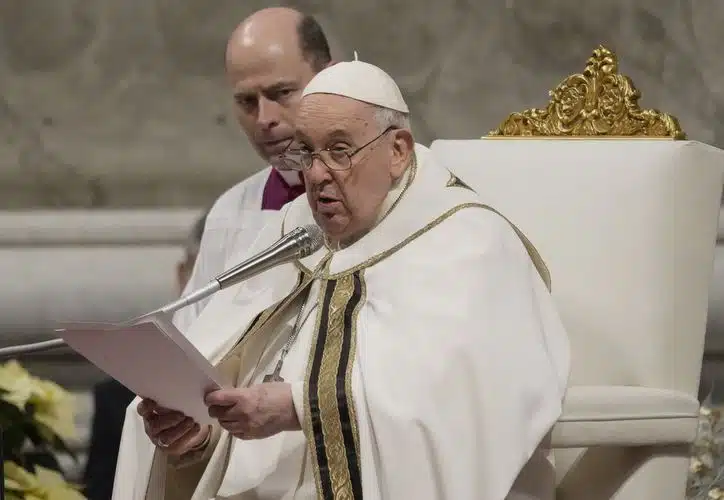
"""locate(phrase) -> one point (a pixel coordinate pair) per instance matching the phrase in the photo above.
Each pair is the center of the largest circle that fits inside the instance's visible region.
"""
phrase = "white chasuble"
(431, 363)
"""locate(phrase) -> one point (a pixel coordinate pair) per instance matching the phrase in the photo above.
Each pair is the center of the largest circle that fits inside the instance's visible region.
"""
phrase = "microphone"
(297, 244)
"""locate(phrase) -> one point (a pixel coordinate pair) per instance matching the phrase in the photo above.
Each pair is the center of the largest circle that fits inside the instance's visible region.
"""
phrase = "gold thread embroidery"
(408, 183)
(307, 423)
(334, 342)
(350, 364)
(328, 408)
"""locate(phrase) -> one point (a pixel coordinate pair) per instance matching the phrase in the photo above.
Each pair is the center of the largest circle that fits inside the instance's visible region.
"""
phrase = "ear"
(403, 147)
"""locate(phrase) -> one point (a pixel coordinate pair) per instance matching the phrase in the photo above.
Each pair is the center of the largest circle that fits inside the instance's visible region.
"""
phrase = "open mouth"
(326, 200)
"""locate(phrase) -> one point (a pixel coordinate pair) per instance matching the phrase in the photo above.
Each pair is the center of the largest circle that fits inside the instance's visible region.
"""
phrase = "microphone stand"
(296, 244)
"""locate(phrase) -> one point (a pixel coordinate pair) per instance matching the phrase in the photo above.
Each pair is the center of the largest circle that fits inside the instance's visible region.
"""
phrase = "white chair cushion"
(625, 416)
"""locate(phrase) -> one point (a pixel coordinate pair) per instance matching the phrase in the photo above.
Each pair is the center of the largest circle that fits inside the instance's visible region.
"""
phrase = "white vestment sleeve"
(464, 365)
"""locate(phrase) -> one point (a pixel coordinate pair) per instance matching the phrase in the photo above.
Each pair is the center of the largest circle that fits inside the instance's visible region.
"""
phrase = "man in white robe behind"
(270, 58)
(417, 355)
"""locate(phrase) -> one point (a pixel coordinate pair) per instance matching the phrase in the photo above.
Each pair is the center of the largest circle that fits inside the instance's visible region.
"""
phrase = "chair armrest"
(625, 416)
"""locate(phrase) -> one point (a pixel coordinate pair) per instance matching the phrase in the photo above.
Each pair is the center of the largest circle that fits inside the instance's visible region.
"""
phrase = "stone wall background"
(122, 103)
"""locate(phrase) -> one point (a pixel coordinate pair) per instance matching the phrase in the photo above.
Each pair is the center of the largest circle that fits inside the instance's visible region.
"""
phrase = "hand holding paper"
(254, 412)
(172, 431)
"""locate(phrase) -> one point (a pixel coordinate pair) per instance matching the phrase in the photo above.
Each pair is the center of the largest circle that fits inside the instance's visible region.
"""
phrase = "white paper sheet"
(151, 358)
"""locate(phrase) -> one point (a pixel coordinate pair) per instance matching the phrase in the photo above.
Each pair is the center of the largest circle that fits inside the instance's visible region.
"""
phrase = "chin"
(331, 227)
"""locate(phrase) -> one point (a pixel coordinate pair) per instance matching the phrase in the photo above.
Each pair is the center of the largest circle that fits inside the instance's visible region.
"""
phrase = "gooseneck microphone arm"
(46, 345)
(297, 244)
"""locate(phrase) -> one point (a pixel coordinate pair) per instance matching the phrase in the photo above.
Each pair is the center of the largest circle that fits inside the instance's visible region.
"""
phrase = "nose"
(317, 173)
(268, 115)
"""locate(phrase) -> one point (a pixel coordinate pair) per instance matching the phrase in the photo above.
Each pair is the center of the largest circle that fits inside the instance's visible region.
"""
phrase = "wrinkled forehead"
(323, 115)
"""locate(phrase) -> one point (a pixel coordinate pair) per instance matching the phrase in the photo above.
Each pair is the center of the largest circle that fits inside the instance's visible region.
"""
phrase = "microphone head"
(312, 239)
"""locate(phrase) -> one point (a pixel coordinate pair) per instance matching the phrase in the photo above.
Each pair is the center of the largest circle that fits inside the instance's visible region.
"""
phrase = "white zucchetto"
(360, 81)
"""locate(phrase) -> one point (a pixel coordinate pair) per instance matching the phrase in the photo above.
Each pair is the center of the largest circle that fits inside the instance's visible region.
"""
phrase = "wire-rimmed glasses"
(334, 158)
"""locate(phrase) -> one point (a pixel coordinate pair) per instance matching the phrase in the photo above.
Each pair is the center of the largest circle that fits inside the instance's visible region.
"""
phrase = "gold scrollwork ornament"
(598, 102)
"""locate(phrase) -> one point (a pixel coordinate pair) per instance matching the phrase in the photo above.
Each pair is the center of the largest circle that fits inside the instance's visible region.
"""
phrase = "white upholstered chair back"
(627, 227)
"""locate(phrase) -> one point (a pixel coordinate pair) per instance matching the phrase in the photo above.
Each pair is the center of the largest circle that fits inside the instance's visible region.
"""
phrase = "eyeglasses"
(335, 158)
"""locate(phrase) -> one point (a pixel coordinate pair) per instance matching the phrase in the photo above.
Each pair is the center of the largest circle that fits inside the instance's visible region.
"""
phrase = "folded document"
(151, 357)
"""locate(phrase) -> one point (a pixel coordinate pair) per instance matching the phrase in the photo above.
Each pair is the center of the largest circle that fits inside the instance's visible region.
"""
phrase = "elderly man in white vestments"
(417, 355)
(270, 58)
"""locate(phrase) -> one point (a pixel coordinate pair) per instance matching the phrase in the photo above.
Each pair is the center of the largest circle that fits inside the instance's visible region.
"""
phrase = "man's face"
(267, 83)
(346, 203)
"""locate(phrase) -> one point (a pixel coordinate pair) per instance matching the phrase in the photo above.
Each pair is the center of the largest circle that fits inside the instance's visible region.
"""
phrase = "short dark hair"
(313, 43)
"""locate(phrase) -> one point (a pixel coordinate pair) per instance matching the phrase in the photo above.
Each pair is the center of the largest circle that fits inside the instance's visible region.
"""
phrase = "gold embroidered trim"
(408, 183)
(530, 248)
(330, 422)
(360, 282)
(533, 253)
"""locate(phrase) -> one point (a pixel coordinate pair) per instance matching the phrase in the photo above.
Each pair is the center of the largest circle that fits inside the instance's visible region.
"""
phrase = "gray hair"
(386, 118)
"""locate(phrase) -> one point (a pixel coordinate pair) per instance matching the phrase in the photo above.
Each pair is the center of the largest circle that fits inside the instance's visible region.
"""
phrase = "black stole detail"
(331, 423)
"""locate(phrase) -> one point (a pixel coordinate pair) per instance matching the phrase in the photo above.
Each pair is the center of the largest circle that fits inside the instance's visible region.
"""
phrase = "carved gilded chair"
(627, 227)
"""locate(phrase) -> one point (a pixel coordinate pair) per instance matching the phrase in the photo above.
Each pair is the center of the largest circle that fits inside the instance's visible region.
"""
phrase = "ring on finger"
(161, 444)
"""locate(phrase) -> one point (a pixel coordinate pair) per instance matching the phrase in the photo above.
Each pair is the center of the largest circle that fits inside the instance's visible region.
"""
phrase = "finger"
(227, 413)
(148, 407)
(187, 441)
(224, 397)
(160, 410)
(160, 423)
(217, 411)
(145, 407)
(171, 437)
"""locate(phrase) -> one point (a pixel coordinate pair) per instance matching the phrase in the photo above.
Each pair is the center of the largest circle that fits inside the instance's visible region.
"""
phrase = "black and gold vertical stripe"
(330, 420)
